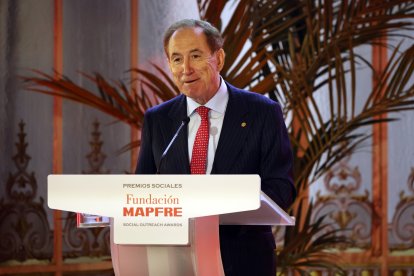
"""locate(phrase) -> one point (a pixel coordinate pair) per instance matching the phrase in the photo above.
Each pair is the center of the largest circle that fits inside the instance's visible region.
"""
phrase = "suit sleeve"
(146, 162)
(277, 159)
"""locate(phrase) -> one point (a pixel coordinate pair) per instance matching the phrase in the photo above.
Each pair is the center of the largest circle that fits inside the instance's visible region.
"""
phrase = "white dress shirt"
(218, 105)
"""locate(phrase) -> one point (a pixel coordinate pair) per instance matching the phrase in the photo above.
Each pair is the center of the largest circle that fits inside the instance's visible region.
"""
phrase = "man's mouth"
(190, 81)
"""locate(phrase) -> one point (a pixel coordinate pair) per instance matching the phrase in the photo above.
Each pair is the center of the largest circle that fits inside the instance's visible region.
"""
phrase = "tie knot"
(203, 112)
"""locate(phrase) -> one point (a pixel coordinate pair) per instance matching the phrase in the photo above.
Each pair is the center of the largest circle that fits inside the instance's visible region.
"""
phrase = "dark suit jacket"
(261, 147)
(253, 140)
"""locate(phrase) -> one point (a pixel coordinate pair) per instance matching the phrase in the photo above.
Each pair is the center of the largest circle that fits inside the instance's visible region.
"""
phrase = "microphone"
(184, 122)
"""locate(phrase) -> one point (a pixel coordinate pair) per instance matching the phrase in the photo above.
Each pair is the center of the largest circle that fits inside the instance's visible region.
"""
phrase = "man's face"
(194, 67)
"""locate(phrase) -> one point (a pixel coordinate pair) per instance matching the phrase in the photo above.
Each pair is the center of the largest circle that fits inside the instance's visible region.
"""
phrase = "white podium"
(167, 224)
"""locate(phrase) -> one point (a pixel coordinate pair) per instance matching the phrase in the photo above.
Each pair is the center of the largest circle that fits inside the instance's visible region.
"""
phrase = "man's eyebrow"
(195, 50)
(191, 51)
(175, 54)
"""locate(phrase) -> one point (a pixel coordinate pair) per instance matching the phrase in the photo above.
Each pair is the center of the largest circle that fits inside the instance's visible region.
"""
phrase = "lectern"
(167, 224)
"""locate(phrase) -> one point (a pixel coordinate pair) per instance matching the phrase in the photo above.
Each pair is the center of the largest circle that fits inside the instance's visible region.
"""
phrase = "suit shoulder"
(165, 107)
(252, 98)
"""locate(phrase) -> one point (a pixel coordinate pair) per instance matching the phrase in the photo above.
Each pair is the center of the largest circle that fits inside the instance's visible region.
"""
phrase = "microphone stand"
(183, 123)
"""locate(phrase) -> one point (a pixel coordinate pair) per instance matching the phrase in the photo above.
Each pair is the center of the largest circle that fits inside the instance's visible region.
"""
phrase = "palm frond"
(114, 99)
(305, 245)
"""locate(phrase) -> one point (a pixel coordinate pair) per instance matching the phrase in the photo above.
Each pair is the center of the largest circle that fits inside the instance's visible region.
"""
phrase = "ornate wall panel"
(401, 228)
(24, 228)
(26, 41)
(345, 207)
(78, 242)
(92, 242)
(401, 175)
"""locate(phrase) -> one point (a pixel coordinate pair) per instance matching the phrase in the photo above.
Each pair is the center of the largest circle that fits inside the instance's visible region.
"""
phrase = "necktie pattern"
(198, 163)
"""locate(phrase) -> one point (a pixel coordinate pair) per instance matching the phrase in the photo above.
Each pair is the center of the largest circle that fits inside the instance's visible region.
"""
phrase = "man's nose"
(187, 66)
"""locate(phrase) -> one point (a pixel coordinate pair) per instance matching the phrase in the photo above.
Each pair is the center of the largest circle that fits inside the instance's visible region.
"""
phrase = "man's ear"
(221, 56)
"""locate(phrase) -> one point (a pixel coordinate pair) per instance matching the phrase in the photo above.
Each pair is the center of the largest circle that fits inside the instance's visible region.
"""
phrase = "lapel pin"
(243, 124)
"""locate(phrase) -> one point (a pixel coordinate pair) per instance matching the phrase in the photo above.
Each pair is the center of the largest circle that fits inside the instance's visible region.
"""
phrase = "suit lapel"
(233, 133)
(178, 157)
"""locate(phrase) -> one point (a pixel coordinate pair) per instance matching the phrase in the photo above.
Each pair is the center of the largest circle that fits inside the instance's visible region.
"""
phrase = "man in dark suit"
(240, 133)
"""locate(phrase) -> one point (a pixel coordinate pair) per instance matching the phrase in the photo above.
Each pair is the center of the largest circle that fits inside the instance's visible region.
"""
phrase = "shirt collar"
(218, 103)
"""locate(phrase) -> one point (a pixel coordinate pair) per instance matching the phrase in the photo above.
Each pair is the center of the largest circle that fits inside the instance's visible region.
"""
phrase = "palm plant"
(295, 51)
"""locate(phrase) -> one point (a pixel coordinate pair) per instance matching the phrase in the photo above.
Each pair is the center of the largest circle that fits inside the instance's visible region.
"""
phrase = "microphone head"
(186, 120)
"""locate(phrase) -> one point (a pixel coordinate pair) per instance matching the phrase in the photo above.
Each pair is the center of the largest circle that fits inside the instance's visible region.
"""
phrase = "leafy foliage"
(306, 244)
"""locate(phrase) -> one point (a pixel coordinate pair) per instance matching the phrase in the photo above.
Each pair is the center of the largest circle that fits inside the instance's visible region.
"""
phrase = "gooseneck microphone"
(184, 122)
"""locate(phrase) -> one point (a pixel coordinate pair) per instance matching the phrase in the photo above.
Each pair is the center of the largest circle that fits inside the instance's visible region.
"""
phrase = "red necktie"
(198, 163)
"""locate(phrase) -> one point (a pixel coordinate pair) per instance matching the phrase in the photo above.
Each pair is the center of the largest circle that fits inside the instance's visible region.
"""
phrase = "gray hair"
(214, 38)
